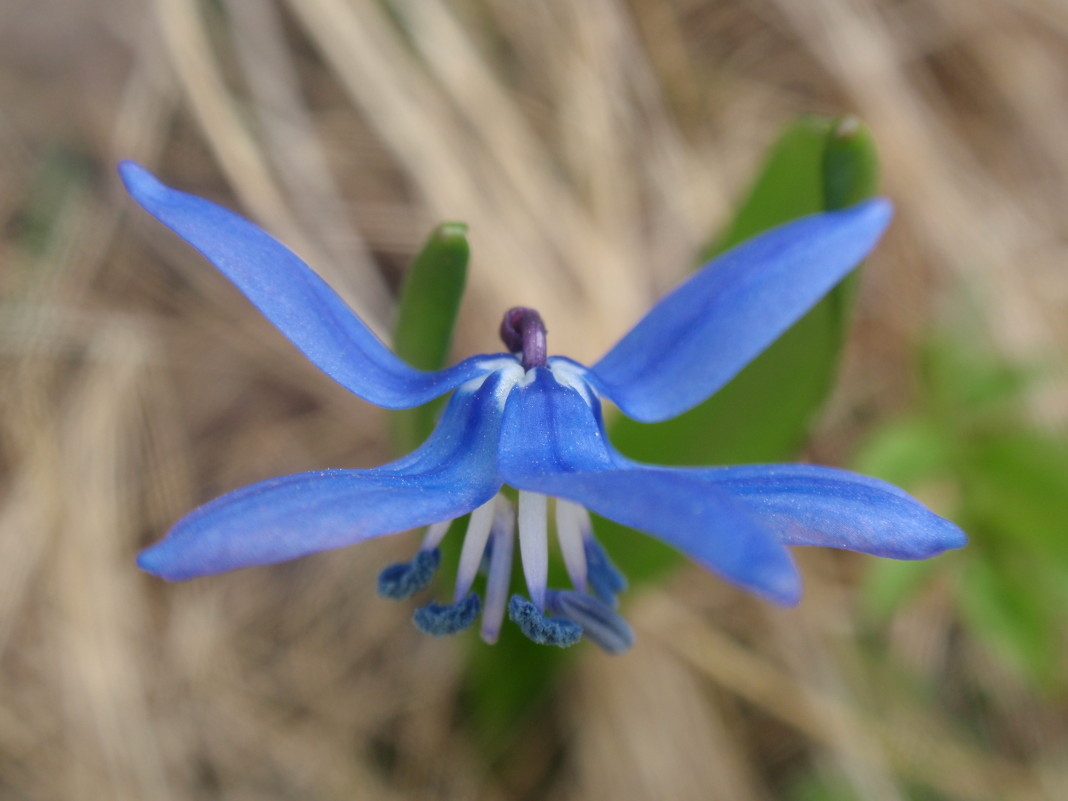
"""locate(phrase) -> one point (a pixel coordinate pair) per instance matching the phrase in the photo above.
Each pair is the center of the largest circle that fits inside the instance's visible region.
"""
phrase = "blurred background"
(594, 148)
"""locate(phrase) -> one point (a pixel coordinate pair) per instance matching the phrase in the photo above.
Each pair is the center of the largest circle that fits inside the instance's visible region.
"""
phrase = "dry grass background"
(592, 146)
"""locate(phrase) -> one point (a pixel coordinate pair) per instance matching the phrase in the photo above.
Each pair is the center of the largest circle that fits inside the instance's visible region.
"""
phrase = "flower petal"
(296, 300)
(552, 441)
(702, 334)
(454, 472)
(813, 505)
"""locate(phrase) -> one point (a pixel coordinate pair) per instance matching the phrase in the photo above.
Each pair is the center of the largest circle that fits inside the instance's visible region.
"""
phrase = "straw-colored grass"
(592, 147)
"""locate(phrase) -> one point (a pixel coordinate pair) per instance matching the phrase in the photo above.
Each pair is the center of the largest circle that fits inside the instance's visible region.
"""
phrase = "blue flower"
(533, 422)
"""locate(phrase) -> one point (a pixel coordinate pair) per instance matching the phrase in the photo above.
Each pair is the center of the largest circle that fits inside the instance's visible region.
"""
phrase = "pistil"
(523, 332)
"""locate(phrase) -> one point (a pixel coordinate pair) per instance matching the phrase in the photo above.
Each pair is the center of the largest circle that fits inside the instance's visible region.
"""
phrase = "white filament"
(534, 544)
(500, 569)
(478, 530)
(435, 533)
(569, 520)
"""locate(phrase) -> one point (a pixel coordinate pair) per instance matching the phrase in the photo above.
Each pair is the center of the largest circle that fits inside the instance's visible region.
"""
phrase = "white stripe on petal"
(478, 530)
(569, 518)
(534, 544)
(500, 569)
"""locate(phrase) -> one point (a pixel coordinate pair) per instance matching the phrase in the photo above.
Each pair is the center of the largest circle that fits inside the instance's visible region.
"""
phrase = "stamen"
(533, 544)
(405, 579)
(542, 630)
(569, 534)
(440, 619)
(605, 579)
(523, 331)
(435, 533)
(500, 547)
(478, 530)
(598, 620)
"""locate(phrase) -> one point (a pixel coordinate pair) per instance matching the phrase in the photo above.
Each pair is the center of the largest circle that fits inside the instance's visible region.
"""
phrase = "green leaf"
(790, 184)
(426, 316)
(764, 413)
(850, 164)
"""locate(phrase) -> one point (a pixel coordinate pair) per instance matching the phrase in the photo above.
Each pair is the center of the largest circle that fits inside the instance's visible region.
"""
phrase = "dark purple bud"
(523, 332)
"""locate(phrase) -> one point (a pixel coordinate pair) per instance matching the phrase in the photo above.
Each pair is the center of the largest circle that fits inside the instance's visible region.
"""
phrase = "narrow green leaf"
(789, 184)
(850, 164)
(426, 316)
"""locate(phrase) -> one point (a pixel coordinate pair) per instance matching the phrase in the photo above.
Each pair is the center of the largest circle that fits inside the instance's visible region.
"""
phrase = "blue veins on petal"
(832, 508)
(565, 453)
(454, 471)
(703, 333)
(534, 422)
(296, 300)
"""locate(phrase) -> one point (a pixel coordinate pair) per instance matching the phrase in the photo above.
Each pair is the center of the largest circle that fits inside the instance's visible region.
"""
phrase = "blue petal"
(698, 337)
(454, 472)
(812, 505)
(552, 441)
(296, 300)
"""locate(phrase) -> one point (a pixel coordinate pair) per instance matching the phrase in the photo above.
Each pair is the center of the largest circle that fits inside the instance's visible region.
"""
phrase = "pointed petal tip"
(139, 182)
(946, 536)
(782, 589)
(956, 539)
(700, 335)
(881, 209)
(154, 560)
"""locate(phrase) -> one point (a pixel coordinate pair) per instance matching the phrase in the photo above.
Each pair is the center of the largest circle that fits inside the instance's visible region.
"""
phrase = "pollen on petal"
(542, 630)
(440, 619)
(405, 579)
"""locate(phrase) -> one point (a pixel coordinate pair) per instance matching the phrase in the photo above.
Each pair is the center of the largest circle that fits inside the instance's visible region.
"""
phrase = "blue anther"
(440, 619)
(405, 579)
(604, 577)
(599, 621)
(542, 630)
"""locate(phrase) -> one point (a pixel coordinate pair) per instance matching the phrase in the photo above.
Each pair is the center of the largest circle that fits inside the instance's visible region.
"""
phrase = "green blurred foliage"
(970, 446)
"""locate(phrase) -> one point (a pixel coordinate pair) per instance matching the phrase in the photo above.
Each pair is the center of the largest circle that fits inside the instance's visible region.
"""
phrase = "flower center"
(523, 332)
